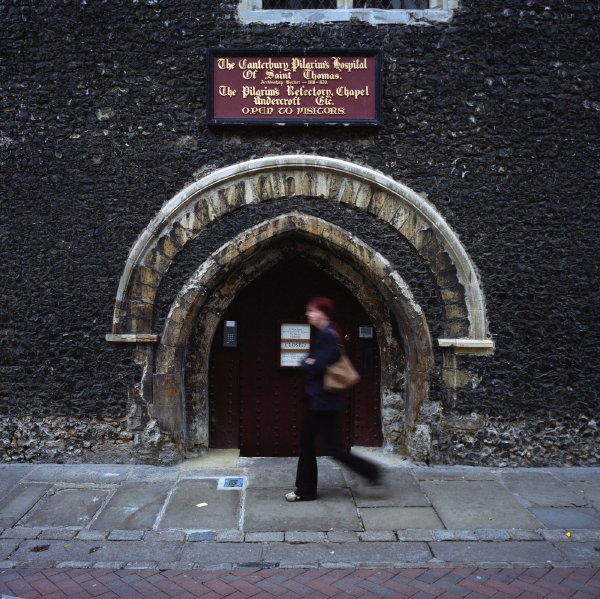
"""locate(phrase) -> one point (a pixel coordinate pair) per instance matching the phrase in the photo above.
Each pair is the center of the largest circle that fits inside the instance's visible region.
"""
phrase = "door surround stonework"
(214, 285)
(159, 394)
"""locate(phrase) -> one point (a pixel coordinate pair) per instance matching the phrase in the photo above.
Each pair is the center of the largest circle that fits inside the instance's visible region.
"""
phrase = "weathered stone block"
(156, 261)
(379, 201)
(201, 213)
(401, 215)
(309, 183)
(388, 206)
(452, 294)
(216, 204)
(456, 378)
(304, 537)
(455, 311)
(180, 235)
(410, 227)
(141, 312)
(418, 442)
(290, 186)
(167, 247)
(456, 328)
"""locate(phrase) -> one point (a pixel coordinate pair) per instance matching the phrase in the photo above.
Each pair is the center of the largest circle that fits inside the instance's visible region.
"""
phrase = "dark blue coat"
(324, 350)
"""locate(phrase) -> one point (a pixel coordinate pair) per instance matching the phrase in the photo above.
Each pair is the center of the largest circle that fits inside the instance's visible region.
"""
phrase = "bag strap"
(340, 343)
(342, 348)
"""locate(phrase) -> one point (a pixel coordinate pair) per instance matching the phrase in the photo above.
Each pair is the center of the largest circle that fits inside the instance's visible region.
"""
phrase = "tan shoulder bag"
(341, 374)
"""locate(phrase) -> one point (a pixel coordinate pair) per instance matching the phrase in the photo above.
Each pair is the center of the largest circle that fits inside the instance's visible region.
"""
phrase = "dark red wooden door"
(254, 403)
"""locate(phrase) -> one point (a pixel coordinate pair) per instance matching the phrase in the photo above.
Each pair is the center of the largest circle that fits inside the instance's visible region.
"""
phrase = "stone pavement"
(86, 515)
(229, 515)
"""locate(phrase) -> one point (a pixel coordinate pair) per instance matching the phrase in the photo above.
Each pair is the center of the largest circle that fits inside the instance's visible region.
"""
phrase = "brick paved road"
(317, 583)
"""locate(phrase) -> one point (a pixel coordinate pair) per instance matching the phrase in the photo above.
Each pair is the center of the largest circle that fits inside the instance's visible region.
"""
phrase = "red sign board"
(295, 87)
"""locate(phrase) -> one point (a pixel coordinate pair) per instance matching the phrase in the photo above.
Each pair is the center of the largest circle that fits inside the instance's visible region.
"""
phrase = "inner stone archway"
(213, 286)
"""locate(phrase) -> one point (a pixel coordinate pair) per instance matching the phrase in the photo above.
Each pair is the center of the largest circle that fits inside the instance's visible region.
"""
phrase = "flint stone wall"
(494, 116)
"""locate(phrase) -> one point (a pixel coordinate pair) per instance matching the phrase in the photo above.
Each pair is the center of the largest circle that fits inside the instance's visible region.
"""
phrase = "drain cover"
(232, 482)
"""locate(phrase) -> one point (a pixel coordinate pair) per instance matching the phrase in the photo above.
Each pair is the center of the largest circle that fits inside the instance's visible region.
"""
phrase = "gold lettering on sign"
(225, 65)
(257, 91)
(225, 90)
(296, 86)
(344, 92)
(357, 63)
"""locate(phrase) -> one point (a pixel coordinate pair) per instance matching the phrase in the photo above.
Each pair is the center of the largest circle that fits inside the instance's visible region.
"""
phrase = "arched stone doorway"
(209, 292)
(160, 393)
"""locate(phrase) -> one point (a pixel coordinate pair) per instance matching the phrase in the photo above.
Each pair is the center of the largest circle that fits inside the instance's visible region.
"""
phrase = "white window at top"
(375, 12)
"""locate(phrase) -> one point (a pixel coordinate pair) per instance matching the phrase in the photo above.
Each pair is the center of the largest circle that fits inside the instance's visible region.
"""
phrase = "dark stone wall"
(494, 116)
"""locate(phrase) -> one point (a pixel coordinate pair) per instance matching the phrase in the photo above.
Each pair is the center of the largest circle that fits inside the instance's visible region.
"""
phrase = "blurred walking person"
(322, 408)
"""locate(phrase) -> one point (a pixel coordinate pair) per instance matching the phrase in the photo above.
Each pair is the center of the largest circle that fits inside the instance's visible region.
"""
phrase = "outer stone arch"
(222, 270)
(327, 179)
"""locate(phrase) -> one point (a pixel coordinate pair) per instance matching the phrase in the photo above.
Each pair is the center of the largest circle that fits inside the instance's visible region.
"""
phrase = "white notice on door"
(295, 344)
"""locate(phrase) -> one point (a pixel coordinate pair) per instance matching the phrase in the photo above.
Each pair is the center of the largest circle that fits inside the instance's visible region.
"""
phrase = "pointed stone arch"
(326, 179)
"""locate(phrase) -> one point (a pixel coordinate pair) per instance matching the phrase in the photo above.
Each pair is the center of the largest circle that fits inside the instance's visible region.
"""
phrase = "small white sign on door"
(295, 344)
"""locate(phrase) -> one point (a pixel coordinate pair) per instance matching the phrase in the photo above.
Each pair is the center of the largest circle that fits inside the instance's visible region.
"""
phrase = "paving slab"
(586, 551)
(259, 463)
(590, 490)
(341, 536)
(210, 472)
(396, 518)
(126, 535)
(153, 474)
(304, 537)
(80, 473)
(21, 532)
(230, 536)
(221, 512)
(577, 474)
(11, 474)
(567, 517)
(466, 505)
(542, 489)
(519, 552)
(58, 534)
(267, 510)
(134, 506)
(92, 535)
(454, 473)
(7, 546)
(164, 535)
(377, 535)
(213, 458)
(19, 501)
(214, 555)
(263, 537)
(401, 489)
(286, 478)
(361, 554)
(97, 551)
(66, 507)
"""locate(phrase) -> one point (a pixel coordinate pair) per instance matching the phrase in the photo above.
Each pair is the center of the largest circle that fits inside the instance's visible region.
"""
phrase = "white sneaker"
(291, 496)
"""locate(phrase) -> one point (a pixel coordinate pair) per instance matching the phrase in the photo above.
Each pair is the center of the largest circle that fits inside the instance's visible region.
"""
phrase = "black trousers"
(324, 424)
